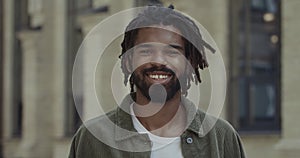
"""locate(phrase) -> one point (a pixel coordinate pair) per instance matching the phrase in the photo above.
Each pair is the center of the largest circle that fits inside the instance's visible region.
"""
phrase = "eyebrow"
(176, 46)
(146, 45)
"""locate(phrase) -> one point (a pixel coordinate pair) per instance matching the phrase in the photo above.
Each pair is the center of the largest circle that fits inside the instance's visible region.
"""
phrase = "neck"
(166, 119)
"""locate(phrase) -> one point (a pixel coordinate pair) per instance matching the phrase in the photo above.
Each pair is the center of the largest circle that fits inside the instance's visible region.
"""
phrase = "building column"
(37, 107)
(1, 76)
(213, 16)
(104, 68)
(44, 84)
(8, 67)
(83, 60)
(59, 14)
(289, 146)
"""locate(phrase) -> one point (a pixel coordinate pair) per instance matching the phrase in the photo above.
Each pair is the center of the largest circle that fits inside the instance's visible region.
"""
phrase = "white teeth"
(158, 76)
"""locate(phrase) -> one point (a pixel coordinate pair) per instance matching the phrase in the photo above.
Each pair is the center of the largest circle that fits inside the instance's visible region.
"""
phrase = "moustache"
(158, 68)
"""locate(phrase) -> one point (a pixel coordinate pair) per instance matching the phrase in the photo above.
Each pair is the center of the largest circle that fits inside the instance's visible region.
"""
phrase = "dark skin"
(161, 48)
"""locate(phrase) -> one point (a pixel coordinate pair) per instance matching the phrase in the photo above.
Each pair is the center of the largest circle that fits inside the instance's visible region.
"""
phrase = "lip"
(159, 77)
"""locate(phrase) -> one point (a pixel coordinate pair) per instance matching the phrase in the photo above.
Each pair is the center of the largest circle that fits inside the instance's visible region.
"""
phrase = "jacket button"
(189, 140)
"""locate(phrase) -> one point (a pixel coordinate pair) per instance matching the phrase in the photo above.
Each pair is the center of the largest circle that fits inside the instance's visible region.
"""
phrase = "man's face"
(158, 58)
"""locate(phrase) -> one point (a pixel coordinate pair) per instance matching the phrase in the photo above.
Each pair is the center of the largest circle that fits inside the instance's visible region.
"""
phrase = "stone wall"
(44, 65)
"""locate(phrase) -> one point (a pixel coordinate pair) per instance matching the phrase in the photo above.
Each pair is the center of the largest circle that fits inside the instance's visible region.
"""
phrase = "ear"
(128, 64)
(189, 67)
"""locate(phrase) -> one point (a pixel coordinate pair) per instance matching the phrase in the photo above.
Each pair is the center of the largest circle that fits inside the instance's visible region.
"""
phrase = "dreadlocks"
(158, 15)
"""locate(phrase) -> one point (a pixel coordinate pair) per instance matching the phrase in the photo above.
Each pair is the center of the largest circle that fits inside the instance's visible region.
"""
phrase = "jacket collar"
(124, 120)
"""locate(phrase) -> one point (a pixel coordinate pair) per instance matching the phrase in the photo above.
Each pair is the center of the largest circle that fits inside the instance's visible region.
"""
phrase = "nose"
(159, 57)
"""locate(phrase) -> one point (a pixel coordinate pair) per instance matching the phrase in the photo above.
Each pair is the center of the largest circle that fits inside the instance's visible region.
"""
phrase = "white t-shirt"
(166, 147)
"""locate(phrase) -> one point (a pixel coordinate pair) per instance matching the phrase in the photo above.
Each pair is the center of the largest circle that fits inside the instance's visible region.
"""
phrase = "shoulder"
(210, 122)
(100, 119)
(222, 134)
(99, 123)
(223, 126)
(93, 132)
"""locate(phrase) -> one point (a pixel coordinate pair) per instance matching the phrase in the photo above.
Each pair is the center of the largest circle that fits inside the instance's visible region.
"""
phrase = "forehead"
(159, 34)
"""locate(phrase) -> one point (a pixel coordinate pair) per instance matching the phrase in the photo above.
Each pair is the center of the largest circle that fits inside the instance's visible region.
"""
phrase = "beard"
(156, 92)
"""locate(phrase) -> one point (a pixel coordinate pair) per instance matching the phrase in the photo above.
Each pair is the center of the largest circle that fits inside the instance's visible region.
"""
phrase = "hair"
(159, 15)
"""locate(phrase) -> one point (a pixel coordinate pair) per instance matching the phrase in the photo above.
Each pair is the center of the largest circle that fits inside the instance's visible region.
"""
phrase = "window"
(82, 5)
(20, 22)
(90, 6)
(74, 38)
(139, 3)
(73, 120)
(255, 65)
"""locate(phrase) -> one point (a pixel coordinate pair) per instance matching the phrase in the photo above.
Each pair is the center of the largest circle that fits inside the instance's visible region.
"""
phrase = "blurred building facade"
(259, 41)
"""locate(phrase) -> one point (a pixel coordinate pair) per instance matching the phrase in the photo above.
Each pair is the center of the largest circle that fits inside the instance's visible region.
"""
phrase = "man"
(162, 53)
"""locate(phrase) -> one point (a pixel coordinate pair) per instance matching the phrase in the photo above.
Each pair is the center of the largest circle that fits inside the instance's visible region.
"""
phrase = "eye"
(144, 52)
(173, 53)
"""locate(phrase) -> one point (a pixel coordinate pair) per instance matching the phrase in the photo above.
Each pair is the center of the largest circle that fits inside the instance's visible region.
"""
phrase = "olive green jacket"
(114, 136)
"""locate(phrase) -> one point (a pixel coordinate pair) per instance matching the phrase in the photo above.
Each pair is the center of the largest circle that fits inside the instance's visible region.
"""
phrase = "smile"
(156, 77)
(159, 76)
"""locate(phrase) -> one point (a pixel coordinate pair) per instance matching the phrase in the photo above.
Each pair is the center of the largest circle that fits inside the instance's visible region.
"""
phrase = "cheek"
(138, 62)
(138, 71)
(179, 65)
